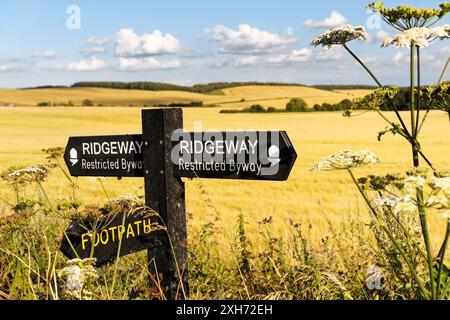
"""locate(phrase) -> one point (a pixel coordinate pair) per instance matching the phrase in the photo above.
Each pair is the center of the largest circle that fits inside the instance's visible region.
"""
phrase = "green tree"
(297, 105)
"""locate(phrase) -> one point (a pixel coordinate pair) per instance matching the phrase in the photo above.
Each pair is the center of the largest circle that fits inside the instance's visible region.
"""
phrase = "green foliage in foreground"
(225, 262)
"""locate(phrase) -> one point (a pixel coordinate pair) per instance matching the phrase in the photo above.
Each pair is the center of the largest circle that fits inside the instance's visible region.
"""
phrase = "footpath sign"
(118, 234)
(162, 155)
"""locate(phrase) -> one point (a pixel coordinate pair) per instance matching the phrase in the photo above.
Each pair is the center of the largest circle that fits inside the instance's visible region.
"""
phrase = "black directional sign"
(101, 238)
(260, 155)
(105, 156)
(161, 155)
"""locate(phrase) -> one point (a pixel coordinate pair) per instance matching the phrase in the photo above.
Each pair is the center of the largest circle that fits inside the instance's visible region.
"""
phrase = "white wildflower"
(438, 200)
(374, 278)
(441, 184)
(386, 201)
(405, 205)
(340, 36)
(419, 36)
(29, 174)
(74, 278)
(442, 32)
(77, 275)
(412, 183)
(346, 159)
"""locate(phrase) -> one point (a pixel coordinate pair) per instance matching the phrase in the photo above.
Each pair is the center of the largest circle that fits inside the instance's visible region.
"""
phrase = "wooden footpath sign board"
(162, 155)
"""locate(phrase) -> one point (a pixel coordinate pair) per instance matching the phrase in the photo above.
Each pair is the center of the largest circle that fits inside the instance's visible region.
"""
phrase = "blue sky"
(196, 41)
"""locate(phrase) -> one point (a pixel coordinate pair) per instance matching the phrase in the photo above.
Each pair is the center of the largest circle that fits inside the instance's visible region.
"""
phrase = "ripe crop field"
(24, 131)
(244, 237)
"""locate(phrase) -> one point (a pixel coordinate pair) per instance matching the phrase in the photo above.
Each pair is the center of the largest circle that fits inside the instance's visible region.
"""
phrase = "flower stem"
(411, 140)
(363, 65)
(44, 193)
(416, 132)
(391, 237)
(426, 238)
(412, 111)
(444, 71)
(438, 83)
(441, 262)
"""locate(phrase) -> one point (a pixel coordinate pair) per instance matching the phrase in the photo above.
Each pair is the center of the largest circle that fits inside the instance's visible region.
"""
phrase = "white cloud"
(7, 67)
(248, 40)
(146, 64)
(325, 54)
(50, 54)
(399, 57)
(335, 19)
(445, 49)
(15, 65)
(95, 50)
(91, 64)
(96, 45)
(219, 64)
(98, 41)
(381, 35)
(247, 61)
(129, 44)
(300, 55)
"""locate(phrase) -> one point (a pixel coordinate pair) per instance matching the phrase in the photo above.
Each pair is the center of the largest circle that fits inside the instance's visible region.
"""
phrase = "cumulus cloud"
(248, 40)
(91, 64)
(96, 45)
(399, 57)
(219, 64)
(247, 61)
(50, 54)
(335, 19)
(15, 65)
(300, 55)
(129, 44)
(325, 54)
(445, 49)
(146, 64)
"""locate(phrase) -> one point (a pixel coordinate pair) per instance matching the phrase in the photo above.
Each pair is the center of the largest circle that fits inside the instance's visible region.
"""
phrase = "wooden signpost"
(162, 155)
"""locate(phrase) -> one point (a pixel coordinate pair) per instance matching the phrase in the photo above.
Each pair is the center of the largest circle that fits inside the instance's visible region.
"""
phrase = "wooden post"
(166, 194)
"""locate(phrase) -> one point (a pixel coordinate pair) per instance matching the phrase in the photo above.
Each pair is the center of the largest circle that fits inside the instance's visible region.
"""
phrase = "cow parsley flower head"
(346, 159)
(77, 275)
(20, 176)
(442, 184)
(340, 36)
(412, 183)
(405, 204)
(418, 36)
(406, 17)
(385, 201)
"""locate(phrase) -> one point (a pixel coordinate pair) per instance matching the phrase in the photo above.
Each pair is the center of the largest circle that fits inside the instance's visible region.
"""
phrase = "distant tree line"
(344, 87)
(402, 101)
(159, 86)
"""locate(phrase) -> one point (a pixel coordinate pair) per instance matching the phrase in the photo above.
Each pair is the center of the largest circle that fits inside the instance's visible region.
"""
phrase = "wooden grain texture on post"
(166, 192)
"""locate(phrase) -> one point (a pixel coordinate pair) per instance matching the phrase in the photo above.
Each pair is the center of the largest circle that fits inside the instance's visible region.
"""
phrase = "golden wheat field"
(24, 131)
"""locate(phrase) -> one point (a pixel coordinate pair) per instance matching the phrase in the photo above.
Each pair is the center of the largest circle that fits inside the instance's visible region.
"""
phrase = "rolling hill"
(236, 97)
